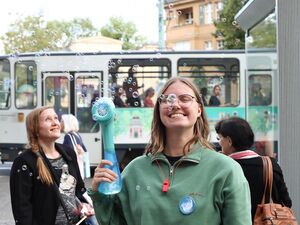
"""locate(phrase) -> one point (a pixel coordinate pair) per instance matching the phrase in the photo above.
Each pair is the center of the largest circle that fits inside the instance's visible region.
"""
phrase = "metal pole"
(161, 41)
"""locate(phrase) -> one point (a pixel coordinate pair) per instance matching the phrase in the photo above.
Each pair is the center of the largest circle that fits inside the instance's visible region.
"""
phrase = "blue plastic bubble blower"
(103, 112)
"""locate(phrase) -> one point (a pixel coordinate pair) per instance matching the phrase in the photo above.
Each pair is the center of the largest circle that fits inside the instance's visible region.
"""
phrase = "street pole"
(161, 41)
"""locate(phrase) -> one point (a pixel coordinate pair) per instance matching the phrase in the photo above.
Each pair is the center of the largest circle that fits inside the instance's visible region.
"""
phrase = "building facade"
(190, 24)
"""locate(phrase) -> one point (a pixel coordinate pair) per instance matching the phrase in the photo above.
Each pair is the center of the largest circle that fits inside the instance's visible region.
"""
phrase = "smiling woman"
(46, 167)
(180, 177)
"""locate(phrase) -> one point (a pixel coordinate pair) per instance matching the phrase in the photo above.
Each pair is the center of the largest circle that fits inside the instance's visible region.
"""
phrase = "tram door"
(75, 92)
(262, 104)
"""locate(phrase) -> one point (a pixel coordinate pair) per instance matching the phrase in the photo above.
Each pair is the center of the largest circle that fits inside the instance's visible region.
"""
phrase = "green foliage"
(33, 33)
(264, 34)
(123, 31)
(234, 37)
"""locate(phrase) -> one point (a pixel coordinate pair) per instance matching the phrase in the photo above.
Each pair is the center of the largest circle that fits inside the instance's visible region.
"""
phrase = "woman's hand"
(87, 210)
(103, 174)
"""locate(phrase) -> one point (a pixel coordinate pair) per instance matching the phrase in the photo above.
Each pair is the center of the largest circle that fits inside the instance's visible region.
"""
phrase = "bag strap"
(56, 188)
(268, 178)
(73, 140)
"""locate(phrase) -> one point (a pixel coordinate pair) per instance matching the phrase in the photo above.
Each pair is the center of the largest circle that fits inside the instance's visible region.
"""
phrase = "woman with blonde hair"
(42, 171)
(70, 127)
(180, 179)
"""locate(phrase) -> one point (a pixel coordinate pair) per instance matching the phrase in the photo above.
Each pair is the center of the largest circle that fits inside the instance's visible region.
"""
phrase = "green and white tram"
(71, 81)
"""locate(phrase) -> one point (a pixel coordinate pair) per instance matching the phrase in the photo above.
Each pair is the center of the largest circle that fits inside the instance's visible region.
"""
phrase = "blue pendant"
(187, 205)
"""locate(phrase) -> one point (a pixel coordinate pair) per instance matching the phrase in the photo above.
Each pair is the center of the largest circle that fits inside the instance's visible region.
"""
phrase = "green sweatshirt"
(215, 182)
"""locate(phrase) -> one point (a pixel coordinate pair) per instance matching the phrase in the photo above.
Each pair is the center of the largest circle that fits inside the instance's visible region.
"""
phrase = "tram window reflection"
(134, 78)
(260, 89)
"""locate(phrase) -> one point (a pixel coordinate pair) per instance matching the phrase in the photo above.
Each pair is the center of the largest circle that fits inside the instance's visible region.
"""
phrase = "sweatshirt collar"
(193, 156)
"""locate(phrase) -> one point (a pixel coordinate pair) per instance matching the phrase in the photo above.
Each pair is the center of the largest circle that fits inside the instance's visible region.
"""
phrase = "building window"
(185, 16)
(208, 45)
(201, 14)
(182, 46)
(208, 14)
(220, 44)
(219, 8)
(189, 18)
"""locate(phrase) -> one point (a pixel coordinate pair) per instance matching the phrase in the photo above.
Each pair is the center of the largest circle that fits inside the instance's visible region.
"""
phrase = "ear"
(199, 111)
(229, 141)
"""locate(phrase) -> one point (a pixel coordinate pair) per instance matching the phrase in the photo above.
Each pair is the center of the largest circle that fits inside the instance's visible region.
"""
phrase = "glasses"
(184, 100)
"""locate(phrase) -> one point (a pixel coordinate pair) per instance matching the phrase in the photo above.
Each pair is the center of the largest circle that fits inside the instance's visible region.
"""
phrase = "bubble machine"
(103, 112)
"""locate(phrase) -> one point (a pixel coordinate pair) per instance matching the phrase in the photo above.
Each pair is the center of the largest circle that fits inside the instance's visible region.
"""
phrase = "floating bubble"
(129, 80)
(224, 19)
(171, 99)
(234, 23)
(24, 167)
(133, 83)
(136, 103)
(70, 77)
(130, 89)
(30, 68)
(135, 94)
(179, 13)
(148, 188)
(119, 61)
(171, 6)
(137, 187)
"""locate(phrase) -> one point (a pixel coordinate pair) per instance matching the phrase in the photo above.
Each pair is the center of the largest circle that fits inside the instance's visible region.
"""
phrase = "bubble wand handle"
(103, 112)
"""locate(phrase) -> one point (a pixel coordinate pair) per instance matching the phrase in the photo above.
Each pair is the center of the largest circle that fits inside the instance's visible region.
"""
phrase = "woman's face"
(225, 143)
(217, 91)
(180, 115)
(49, 127)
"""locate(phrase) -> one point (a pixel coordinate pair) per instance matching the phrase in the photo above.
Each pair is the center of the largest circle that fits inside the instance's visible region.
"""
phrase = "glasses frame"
(160, 98)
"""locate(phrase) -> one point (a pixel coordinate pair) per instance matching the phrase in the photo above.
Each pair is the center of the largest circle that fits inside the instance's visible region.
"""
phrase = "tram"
(70, 82)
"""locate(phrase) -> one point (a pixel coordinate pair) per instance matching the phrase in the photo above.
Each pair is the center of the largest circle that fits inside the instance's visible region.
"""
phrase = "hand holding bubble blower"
(103, 112)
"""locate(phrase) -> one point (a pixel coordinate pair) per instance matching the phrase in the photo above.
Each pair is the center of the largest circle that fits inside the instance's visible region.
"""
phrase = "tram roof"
(67, 53)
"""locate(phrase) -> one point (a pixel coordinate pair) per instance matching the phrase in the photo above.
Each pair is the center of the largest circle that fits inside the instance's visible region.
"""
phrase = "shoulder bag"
(272, 213)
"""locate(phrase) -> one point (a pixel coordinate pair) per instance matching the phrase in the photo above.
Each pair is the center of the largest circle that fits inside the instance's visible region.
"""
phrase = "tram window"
(5, 84)
(260, 90)
(26, 84)
(57, 94)
(136, 82)
(87, 91)
(218, 79)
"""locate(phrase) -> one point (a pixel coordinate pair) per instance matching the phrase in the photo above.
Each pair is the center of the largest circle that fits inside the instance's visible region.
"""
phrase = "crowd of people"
(181, 178)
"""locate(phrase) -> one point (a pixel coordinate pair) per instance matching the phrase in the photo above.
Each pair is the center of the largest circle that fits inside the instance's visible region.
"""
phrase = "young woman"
(180, 179)
(34, 172)
(215, 98)
(236, 139)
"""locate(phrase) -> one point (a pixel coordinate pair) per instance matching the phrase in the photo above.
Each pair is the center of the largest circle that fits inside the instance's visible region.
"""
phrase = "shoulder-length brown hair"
(158, 132)
(33, 127)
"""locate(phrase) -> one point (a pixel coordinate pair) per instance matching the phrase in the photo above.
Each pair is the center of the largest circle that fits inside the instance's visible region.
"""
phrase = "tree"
(32, 33)
(264, 34)
(123, 31)
(226, 27)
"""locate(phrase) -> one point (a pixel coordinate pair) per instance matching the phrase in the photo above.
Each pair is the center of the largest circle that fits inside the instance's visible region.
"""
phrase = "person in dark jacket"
(70, 125)
(34, 172)
(236, 139)
(215, 98)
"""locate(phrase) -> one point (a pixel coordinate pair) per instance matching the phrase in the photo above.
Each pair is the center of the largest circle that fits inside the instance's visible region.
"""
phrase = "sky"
(143, 13)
